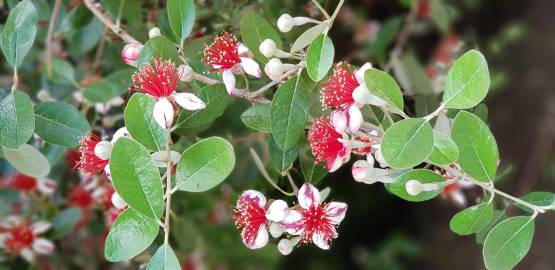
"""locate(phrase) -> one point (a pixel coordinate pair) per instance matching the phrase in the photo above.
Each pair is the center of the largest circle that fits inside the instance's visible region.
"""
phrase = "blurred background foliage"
(380, 231)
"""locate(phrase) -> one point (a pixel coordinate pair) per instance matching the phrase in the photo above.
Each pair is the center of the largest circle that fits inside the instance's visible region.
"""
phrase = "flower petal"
(339, 120)
(251, 67)
(277, 211)
(359, 74)
(43, 246)
(28, 254)
(261, 238)
(308, 196)
(121, 132)
(335, 211)
(257, 196)
(229, 81)
(241, 48)
(40, 227)
(319, 241)
(163, 113)
(46, 186)
(362, 172)
(189, 101)
(118, 201)
(293, 223)
(276, 230)
(355, 119)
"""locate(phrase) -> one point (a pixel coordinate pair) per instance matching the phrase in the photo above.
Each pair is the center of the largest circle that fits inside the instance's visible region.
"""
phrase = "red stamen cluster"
(324, 141)
(317, 220)
(158, 79)
(337, 93)
(89, 161)
(18, 237)
(23, 183)
(249, 215)
(222, 54)
(80, 197)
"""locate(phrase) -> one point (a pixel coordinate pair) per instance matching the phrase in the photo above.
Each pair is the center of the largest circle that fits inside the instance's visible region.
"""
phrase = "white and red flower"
(27, 184)
(18, 238)
(253, 215)
(94, 154)
(314, 221)
(329, 143)
(160, 80)
(229, 56)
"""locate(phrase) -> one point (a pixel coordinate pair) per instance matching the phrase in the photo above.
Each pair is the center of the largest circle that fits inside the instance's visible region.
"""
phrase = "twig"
(324, 12)
(403, 37)
(434, 113)
(292, 183)
(50, 35)
(168, 191)
(265, 174)
(106, 20)
(332, 18)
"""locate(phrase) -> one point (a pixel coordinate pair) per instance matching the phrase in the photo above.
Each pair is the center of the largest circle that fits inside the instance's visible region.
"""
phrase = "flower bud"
(274, 68)
(185, 73)
(154, 32)
(276, 230)
(118, 201)
(413, 187)
(285, 23)
(268, 48)
(121, 132)
(130, 54)
(43, 95)
(285, 246)
(103, 150)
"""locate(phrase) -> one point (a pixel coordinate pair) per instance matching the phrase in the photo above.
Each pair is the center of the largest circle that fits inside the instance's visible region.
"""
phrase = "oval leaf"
(508, 242)
(472, 219)
(141, 124)
(445, 150)
(112, 86)
(407, 143)
(181, 14)
(204, 165)
(385, 87)
(478, 154)
(28, 160)
(283, 160)
(424, 176)
(319, 57)
(131, 234)
(254, 30)
(17, 121)
(164, 259)
(257, 117)
(19, 32)
(307, 37)
(467, 81)
(313, 172)
(539, 198)
(59, 123)
(136, 178)
(62, 72)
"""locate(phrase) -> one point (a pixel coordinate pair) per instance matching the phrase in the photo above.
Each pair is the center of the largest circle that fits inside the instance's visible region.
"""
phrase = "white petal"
(251, 67)
(355, 119)
(28, 254)
(336, 211)
(46, 186)
(189, 101)
(361, 94)
(362, 172)
(118, 201)
(359, 74)
(3, 237)
(459, 199)
(229, 81)
(40, 227)
(43, 246)
(276, 230)
(103, 150)
(285, 246)
(121, 132)
(107, 172)
(261, 238)
(277, 211)
(337, 162)
(163, 113)
(241, 48)
(293, 224)
(308, 196)
(339, 120)
(318, 240)
(161, 158)
(376, 101)
(253, 194)
(379, 158)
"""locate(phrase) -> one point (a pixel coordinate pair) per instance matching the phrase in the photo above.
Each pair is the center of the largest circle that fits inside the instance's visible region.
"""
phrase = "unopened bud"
(413, 187)
(274, 68)
(154, 32)
(285, 23)
(268, 48)
(130, 54)
(43, 95)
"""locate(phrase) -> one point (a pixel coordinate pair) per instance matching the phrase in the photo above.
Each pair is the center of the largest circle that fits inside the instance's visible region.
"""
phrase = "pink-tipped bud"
(130, 54)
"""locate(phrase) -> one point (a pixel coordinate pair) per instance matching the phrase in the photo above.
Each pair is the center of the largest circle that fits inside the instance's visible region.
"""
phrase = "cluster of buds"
(275, 68)
(310, 221)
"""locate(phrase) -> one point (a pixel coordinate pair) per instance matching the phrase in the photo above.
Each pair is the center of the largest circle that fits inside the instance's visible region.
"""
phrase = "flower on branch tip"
(18, 238)
(253, 215)
(228, 55)
(159, 80)
(130, 54)
(329, 144)
(315, 222)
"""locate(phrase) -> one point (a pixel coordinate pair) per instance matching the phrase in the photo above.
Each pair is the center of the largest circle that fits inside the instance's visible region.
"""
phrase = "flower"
(228, 55)
(314, 221)
(329, 144)
(79, 196)
(130, 54)
(253, 216)
(27, 184)
(90, 161)
(19, 239)
(160, 80)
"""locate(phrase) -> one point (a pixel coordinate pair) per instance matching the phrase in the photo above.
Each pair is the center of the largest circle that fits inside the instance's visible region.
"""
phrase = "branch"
(403, 37)
(106, 20)
(50, 34)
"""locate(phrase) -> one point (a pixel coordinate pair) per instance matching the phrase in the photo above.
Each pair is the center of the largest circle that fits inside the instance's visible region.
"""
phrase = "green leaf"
(181, 14)
(313, 172)
(478, 154)
(307, 37)
(140, 122)
(216, 99)
(19, 32)
(160, 47)
(409, 69)
(65, 221)
(445, 150)
(257, 117)
(472, 219)
(387, 33)
(282, 159)
(467, 81)
(164, 259)
(204, 165)
(28, 160)
(424, 176)
(319, 57)
(407, 143)
(385, 87)
(496, 218)
(110, 87)
(17, 121)
(62, 72)
(289, 111)
(131, 234)
(539, 198)
(254, 30)
(508, 242)
(59, 123)
(136, 178)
